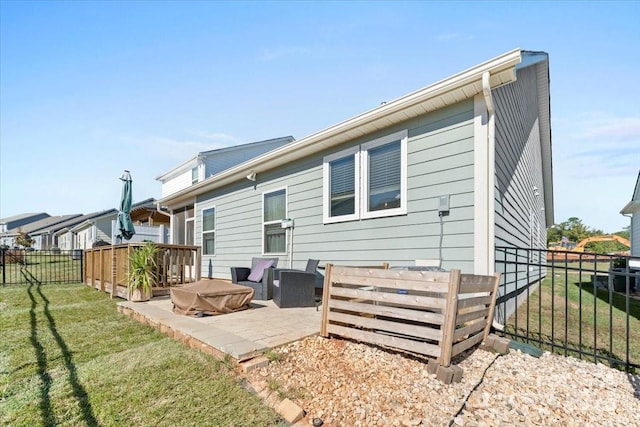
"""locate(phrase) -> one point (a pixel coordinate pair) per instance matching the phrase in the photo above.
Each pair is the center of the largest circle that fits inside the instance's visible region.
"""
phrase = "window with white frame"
(194, 175)
(367, 181)
(208, 231)
(274, 210)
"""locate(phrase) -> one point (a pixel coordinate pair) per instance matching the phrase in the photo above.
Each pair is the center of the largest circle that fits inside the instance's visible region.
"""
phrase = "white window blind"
(384, 177)
(342, 182)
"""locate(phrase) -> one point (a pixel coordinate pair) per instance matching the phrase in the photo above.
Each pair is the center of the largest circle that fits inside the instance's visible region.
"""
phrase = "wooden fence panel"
(437, 314)
(474, 312)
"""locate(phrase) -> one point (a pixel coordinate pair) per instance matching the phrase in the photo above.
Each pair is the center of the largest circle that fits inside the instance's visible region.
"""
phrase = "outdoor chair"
(259, 277)
(295, 288)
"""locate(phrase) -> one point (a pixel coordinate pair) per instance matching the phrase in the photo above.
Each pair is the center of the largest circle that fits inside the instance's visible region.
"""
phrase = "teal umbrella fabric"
(125, 225)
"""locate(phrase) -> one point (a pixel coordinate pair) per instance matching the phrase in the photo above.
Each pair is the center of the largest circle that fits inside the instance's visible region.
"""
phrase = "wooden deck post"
(114, 271)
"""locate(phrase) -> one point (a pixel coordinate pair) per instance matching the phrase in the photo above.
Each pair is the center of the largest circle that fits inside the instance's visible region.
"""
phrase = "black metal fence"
(21, 266)
(573, 303)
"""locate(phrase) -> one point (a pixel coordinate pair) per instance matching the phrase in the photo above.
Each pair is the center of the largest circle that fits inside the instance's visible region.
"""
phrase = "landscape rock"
(351, 384)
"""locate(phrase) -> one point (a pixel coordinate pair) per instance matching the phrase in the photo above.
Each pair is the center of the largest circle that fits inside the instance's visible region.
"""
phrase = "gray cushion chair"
(295, 288)
(259, 277)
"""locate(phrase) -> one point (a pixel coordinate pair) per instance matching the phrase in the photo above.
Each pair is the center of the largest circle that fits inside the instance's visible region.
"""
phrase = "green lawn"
(68, 358)
(588, 321)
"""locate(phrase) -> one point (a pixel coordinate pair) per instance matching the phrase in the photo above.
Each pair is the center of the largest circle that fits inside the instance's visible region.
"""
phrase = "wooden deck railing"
(109, 265)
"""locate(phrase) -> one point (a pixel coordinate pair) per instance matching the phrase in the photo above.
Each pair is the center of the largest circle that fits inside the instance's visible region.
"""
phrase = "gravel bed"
(351, 384)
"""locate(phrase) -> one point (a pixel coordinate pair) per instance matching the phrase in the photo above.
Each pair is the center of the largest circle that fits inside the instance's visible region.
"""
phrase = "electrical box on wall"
(443, 205)
(286, 223)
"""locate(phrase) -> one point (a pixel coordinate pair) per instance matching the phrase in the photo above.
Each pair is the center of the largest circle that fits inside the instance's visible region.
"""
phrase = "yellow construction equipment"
(608, 238)
(580, 246)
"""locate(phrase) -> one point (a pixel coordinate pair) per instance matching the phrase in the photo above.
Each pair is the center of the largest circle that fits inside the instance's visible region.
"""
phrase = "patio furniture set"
(262, 281)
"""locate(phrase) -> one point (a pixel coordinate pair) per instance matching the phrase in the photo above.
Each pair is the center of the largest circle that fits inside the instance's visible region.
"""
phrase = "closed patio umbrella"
(125, 226)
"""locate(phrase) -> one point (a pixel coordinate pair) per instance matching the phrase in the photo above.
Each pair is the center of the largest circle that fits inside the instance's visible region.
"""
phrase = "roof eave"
(179, 169)
(631, 208)
(461, 86)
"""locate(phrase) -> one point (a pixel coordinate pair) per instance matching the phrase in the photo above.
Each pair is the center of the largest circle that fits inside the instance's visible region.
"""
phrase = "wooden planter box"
(436, 314)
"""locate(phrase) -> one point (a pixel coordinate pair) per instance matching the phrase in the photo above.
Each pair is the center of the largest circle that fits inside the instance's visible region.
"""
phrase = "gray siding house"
(16, 221)
(40, 231)
(445, 173)
(632, 209)
(59, 235)
(201, 167)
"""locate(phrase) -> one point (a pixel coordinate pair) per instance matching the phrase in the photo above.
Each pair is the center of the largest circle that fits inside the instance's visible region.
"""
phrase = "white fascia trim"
(186, 166)
(435, 92)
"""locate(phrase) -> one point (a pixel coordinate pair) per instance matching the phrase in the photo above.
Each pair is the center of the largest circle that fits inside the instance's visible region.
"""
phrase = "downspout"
(490, 178)
(170, 215)
(490, 171)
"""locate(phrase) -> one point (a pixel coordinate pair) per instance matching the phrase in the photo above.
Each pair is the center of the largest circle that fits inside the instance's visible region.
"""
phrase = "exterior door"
(190, 231)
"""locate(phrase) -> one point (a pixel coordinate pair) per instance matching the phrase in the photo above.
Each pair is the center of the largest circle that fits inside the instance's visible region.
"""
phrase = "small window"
(274, 209)
(194, 175)
(208, 231)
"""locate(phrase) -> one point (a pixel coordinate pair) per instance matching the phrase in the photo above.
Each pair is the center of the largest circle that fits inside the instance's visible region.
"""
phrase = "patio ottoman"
(210, 297)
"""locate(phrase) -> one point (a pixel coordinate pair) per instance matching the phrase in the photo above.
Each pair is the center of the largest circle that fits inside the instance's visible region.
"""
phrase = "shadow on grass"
(41, 356)
(566, 347)
(616, 299)
(79, 392)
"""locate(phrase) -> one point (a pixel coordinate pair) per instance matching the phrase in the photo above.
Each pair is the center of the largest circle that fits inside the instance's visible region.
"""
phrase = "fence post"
(82, 266)
(4, 266)
(492, 306)
(325, 300)
(450, 316)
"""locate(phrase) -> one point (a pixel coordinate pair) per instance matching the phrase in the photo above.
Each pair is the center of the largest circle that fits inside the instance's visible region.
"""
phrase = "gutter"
(502, 71)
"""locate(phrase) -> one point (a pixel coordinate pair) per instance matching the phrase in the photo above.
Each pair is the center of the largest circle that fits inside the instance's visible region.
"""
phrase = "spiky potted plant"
(142, 272)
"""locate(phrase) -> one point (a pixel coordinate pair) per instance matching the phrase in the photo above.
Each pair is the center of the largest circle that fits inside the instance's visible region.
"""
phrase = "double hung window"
(208, 231)
(367, 181)
(274, 210)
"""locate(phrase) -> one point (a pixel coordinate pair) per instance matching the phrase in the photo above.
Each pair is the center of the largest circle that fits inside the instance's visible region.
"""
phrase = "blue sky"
(88, 89)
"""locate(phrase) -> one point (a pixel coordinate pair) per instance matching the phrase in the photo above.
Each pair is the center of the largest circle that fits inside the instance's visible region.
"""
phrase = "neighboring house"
(9, 224)
(64, 237)
(37, 230)
(102, 227)
(59, 235)
(632, 209)
(16, 221)
(201, 167)
(447, 172)
(70, 238)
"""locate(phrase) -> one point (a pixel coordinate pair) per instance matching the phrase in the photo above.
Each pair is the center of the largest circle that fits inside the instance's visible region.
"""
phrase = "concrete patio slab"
(242, 335)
